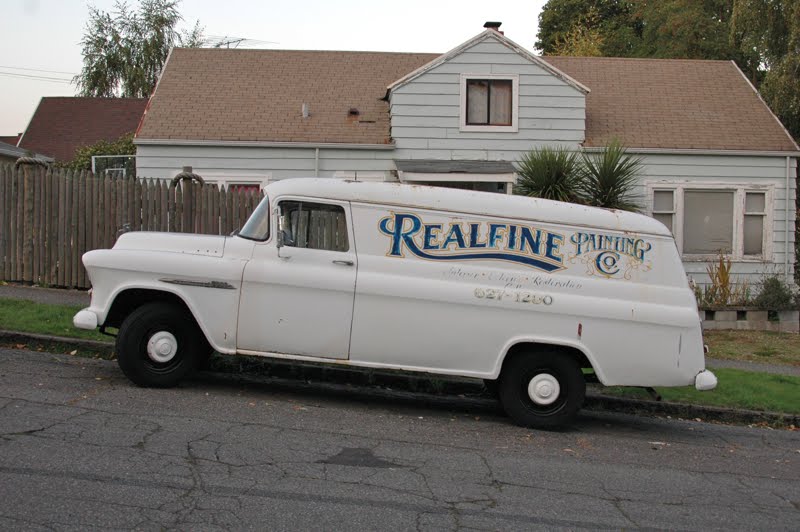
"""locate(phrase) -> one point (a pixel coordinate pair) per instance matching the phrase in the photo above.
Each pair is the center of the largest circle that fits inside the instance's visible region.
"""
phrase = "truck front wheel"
(157, 345)
(542, 389)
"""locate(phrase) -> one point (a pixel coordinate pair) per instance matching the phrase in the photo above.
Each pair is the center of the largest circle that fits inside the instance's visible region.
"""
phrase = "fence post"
(188, 196)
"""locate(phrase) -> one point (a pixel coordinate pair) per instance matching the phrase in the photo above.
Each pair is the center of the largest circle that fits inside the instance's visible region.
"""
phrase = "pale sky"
(44, 35)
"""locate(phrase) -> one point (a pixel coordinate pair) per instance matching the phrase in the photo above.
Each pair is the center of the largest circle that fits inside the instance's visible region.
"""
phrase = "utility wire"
(38, 70)
(38, 78)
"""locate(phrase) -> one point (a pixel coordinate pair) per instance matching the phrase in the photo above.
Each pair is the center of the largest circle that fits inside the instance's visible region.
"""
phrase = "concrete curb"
(594, 401)
(46, 339)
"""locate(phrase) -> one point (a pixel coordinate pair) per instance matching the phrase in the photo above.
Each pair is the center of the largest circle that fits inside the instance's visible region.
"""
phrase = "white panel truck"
(533, 296)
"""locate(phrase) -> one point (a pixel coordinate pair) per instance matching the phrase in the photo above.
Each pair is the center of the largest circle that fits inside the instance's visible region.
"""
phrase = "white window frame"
(739, 191)
(514, 127)
(228, 178)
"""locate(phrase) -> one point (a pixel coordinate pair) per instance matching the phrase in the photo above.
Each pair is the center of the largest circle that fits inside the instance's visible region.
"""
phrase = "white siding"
(736, 171)
(426, 111)
(276, 163)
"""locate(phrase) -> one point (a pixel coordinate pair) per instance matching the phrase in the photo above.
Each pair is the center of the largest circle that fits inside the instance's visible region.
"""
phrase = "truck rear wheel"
(157, 345)
(542, 389)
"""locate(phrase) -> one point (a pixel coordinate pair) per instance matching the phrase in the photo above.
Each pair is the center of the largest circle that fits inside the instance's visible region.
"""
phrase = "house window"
(664, 207)
(707, 222)
(236, 181)
(755, 210)
(714, 219)
(489, 102)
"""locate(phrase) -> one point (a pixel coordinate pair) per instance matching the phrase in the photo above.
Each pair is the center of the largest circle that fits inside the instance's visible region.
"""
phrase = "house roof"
(61, 125)
(258, 95)
(673, 104)
(9, 150)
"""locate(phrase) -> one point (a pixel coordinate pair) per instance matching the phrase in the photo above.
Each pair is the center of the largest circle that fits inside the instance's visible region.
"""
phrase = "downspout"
(316, 163)
(789, 277)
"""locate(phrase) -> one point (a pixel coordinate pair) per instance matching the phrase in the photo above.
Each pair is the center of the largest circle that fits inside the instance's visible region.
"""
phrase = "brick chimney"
(494, 26)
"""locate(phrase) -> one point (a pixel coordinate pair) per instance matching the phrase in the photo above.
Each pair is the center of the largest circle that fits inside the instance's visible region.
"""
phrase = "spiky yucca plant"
(550, 173)
(610, 178)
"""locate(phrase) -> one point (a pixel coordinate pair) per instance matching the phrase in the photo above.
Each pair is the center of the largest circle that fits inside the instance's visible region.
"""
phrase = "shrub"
(550, 173)
(605, 179)
(610, 178)
(722, 292)
(775, 295)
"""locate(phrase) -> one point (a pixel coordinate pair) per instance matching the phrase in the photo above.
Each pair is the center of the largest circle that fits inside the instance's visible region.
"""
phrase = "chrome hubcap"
(162, 347)
(543, 389)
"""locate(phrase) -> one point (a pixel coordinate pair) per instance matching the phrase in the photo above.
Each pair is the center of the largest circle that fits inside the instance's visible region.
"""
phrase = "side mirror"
(280, 239)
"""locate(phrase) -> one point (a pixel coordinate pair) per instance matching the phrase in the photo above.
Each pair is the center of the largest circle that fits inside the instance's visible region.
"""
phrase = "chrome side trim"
(205, 284)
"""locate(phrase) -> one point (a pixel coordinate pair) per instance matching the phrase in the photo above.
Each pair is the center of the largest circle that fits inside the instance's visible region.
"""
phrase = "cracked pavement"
(82, 448)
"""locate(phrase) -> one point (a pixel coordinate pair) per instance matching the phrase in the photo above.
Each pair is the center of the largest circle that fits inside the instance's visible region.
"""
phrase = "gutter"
(261, 144)
(678, 151)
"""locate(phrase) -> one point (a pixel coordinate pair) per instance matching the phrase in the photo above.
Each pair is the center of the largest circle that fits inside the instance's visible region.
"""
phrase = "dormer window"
(489, 102)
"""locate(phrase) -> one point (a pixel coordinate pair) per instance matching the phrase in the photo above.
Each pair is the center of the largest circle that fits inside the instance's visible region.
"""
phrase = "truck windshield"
(257, 226)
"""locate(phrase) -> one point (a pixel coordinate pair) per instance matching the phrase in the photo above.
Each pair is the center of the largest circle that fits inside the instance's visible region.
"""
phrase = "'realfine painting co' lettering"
(522, 244)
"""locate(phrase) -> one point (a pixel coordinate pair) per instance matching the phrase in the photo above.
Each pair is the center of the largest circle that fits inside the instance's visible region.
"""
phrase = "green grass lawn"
(754, 346)
(27, 316)
(736, 389)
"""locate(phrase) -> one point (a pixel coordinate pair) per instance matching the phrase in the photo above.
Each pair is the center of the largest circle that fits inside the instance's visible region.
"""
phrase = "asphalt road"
(82, 448)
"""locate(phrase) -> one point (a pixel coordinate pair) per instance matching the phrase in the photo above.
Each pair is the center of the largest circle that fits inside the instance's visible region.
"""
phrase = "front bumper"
(705, 380)
(85, 319)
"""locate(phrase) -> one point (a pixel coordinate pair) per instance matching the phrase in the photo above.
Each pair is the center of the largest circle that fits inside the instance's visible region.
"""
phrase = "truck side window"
(313, 225)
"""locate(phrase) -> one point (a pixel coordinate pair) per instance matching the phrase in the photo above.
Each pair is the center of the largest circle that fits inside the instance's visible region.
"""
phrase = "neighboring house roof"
(258, 95)
(61, 125)
(9, 139)
(11, 151)
(673, 104)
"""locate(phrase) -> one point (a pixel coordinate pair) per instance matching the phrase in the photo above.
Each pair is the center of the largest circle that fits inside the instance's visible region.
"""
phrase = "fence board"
(61, 230)
(4, 222)
(52, 235)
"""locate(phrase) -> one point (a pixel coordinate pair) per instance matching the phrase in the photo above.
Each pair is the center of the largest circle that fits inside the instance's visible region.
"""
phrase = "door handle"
(344, 262)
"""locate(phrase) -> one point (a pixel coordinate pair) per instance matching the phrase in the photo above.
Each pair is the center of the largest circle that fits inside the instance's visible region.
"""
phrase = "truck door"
(298, 298)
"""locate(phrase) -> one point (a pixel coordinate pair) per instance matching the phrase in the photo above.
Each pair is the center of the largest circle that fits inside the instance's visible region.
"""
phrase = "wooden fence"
(50, 217)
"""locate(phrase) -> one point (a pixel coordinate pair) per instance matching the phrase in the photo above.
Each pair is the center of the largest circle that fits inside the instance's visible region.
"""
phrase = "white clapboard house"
(719, 170)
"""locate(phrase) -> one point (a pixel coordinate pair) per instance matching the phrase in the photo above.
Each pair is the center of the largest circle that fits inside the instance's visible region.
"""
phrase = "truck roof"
(468, 202)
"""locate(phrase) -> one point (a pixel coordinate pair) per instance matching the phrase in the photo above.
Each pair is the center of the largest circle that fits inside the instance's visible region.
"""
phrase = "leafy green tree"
(770, 32)
(550, 173)
(566, 25)
(584, 39)
(123, 51)
(610, 177)
(687, 29)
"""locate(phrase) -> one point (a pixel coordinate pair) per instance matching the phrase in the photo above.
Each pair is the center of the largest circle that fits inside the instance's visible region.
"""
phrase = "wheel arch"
(130, 298)
(520, 346)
